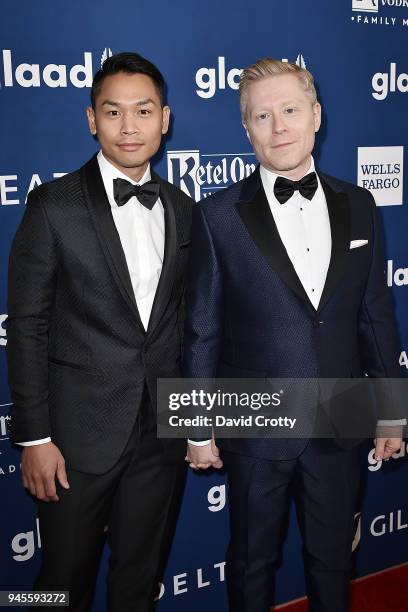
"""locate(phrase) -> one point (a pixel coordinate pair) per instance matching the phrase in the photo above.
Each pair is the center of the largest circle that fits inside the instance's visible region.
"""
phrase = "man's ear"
(246, 131)
(165, 119)
(91, 120)
(317, 113)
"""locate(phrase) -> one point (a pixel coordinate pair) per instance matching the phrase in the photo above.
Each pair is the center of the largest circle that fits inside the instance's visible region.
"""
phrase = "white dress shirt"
(141, 233)
(304, 228)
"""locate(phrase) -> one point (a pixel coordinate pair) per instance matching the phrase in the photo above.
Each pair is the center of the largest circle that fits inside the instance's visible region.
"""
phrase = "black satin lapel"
(340, 227)
(261, 225)
(170, 252)
(100, 210)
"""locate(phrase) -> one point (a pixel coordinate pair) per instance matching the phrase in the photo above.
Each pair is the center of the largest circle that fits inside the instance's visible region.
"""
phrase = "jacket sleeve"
(31, 294)
(378, 335)
(203, 323)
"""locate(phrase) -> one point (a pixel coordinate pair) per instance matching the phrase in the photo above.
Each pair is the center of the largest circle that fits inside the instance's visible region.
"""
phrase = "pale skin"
(129, 121)
(281, 121)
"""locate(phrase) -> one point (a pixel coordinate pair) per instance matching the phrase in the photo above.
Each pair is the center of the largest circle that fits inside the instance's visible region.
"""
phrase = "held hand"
(203, 457)
(385, 447)
(40, 464)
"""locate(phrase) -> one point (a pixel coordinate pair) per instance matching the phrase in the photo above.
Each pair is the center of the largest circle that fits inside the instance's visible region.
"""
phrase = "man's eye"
(290, 110)
(144, 112)
(263, 116)
(113, 113)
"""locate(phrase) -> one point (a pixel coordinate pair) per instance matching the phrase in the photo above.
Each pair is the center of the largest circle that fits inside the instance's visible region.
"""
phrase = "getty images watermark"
(278, 408)
(209, 401)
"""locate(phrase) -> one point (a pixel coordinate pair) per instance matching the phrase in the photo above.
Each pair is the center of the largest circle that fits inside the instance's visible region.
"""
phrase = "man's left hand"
(386, 446)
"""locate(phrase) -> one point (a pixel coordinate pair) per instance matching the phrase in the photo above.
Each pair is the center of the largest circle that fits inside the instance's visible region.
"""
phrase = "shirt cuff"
(34, 442)
(200, 443)
(392, 423)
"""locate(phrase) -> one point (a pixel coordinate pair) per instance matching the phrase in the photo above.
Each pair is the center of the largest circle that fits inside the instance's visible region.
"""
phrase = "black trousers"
(137, 500)
(324, 482)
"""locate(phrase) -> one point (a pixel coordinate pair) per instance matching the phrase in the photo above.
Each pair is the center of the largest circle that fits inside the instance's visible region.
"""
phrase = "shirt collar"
(109, 172)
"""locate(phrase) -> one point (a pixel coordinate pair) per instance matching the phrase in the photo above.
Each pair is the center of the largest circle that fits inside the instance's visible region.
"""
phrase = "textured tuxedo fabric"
(78, 354)
(259, 496)
(137, 500)
(248, 315)
(83, 370)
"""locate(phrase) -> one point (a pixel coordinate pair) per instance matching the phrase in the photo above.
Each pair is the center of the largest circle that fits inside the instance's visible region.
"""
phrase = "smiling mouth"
(130, 146)
(282, 145)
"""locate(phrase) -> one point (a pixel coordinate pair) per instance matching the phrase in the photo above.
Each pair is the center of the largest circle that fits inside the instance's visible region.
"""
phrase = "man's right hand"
(40, 464)
(203, 457)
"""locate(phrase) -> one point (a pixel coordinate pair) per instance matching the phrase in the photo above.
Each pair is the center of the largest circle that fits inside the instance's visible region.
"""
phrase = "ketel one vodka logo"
(366, 6)
(200, 175)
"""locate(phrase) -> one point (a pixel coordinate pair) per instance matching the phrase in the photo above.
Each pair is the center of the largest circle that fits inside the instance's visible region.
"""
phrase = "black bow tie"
(285, 188)
(147, 193)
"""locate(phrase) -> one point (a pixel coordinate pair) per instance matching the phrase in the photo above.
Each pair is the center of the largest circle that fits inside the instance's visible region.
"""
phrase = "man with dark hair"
(95, 317)
(287, 281)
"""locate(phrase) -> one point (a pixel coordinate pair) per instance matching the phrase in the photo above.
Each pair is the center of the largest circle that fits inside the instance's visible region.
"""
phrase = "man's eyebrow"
(145, 101)
(142, 102)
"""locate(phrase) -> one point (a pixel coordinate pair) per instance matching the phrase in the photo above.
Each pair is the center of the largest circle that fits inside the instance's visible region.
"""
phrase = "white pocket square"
(354, 244)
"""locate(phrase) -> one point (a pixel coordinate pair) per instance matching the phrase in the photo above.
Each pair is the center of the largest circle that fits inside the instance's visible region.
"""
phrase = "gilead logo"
(387, 523)
(51, 75)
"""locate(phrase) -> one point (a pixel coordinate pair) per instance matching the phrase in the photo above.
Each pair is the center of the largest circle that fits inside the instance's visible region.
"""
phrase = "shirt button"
(307, 250)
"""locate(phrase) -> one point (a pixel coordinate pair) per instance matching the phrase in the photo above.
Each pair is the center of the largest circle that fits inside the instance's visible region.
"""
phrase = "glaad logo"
(107, 52)
(4, 424)
(24, 544)
(51, 75)
(199, 175)
(216, 498)
(398, 277)
(208, 79)
(388, 82)
(366, 6)
(3, 331)
(380, 169)
(374, 465)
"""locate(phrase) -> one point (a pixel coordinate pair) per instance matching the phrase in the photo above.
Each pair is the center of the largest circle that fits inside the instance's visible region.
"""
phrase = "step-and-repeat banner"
(356, 49)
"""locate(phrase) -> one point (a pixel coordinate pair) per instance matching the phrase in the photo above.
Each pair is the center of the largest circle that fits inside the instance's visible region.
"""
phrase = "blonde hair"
(269, 67)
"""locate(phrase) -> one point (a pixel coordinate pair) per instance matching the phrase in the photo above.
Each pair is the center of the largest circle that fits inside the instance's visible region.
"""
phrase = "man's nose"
(278, 124)
(130, 124)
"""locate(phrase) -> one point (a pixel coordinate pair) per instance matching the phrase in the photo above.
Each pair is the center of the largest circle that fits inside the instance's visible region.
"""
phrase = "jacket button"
(317, 323)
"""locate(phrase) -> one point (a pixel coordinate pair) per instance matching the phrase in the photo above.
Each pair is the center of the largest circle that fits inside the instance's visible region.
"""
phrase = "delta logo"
(52, 75)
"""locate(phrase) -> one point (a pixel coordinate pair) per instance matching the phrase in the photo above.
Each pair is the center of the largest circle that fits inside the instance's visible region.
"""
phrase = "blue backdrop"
(357, 51)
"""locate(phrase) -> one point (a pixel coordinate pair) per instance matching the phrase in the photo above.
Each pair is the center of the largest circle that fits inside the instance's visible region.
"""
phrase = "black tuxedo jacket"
(78, 355)
(248, 315)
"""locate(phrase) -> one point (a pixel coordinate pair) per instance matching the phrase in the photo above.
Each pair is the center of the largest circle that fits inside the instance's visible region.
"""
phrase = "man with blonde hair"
(286, 281)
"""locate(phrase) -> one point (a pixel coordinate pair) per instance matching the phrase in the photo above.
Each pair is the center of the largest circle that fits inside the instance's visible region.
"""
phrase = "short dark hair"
(130, 63)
